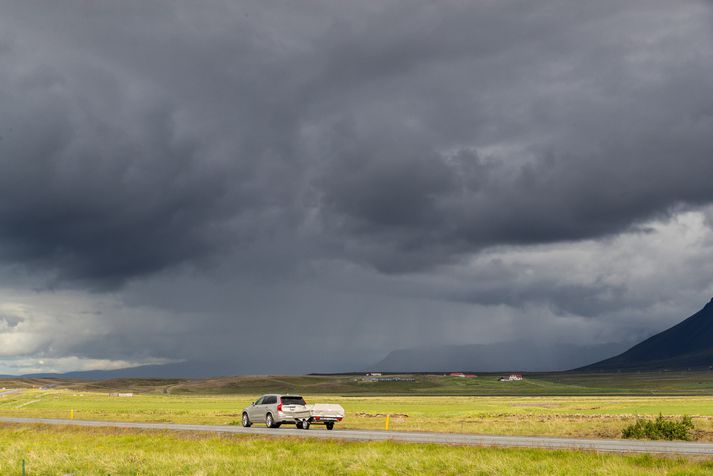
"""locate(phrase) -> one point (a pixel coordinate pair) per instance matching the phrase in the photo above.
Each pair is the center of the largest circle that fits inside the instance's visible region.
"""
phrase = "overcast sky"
(292, 186)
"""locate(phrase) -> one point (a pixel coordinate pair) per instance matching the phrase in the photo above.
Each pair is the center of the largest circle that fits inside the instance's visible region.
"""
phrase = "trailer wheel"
(329, 425)
(246, 420)
(298, 425)
(305, 425)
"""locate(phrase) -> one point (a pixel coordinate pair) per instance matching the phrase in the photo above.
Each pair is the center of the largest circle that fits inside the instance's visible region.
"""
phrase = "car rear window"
(293, 401)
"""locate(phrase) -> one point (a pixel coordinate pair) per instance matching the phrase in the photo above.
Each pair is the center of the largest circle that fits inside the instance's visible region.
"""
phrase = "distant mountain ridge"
(178, 370)
(508, 356)
(687, 345)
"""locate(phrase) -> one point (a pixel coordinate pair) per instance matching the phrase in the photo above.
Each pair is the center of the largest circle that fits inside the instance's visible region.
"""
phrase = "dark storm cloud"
(130, 146)
(393, 173)
(550, 130)
(143, 135)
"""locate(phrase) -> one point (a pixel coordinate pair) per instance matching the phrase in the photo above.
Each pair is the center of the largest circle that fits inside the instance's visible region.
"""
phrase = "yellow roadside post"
(387, 422)
(71, 414)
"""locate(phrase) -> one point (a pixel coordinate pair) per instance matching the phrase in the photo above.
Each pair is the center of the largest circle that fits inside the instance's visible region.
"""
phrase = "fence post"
(23, 467)
(387, 422)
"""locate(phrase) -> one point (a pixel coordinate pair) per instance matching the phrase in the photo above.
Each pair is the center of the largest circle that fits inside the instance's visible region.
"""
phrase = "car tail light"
(339, 418)
(279, 406)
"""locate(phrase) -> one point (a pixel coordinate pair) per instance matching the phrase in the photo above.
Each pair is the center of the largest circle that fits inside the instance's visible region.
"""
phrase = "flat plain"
(60, 451)
(588, 406)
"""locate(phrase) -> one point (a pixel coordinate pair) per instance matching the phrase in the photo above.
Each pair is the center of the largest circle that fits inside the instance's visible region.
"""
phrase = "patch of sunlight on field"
(602, 417)
(79, 451)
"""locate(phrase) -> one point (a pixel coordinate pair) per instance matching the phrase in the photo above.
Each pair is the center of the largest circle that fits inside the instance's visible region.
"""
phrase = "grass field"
(60, 451)
(576, 416)
(535, 384)
(583, 405)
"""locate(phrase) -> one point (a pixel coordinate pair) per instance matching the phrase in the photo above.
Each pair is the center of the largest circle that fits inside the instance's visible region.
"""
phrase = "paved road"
(9, 392)
(618, 446)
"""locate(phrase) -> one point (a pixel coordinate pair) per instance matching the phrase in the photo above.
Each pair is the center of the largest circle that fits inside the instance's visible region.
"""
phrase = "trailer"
(326, 414)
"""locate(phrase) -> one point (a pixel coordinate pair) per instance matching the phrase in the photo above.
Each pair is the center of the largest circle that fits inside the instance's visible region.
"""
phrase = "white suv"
(275, 409)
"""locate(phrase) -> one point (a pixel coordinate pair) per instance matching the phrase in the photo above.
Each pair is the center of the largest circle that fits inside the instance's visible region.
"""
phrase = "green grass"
(651, 383)
(535, 384)
(58, 451)
(576, 416)
(660, 429)
(584, 405)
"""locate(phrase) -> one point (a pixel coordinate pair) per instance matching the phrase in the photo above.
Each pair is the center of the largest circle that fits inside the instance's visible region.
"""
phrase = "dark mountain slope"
(688, 344)
(507, 356)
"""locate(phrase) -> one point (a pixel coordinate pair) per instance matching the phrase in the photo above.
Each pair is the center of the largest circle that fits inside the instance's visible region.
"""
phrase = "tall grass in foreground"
(79, 451)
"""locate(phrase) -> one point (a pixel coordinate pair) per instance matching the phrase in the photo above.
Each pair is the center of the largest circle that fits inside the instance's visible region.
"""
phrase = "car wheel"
(246, 420)
(329, 425)
(269, 422)
(298, 425)
(305, 425)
